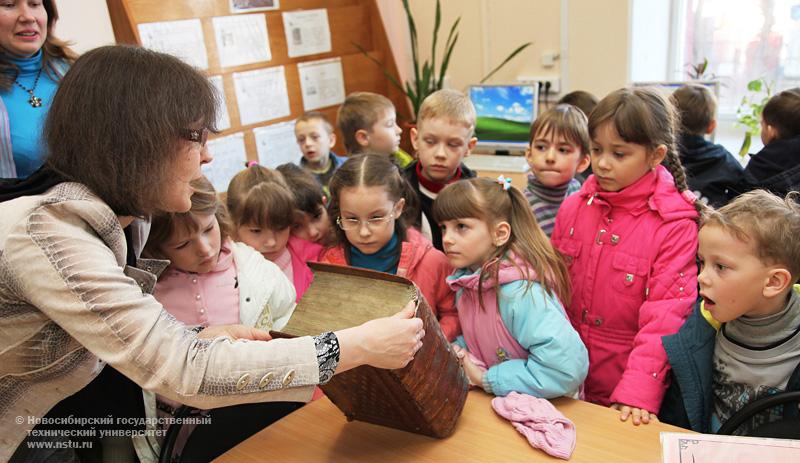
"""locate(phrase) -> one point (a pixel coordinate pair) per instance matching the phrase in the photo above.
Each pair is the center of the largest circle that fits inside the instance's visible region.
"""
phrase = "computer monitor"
(505, 114)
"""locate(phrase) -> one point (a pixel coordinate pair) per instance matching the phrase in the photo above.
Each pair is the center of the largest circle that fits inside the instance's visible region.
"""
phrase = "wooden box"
(425, 397)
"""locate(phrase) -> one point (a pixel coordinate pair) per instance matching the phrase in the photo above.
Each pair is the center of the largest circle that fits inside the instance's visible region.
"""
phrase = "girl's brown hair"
(371, 170)
(52, 49)
(204, 203)
(116, 122)
(260, 196)
(644, 117)
(565, 120)
(486, 200)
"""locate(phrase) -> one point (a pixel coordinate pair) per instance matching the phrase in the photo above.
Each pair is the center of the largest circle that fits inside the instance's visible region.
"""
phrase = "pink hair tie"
(251, 163)
(689, 196)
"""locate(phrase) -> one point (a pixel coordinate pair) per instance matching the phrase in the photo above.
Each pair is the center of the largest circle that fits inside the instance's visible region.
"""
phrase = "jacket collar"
(655, 191)
(465, 278)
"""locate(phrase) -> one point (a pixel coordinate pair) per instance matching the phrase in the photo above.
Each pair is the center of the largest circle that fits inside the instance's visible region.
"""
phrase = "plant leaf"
(412, 28)
(508, 58)
(754, 85)
(437, 22)
(452, 37)
(745, 145)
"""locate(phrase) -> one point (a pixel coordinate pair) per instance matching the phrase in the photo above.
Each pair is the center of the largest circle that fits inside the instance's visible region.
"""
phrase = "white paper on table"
(276, 144)
(182, 39)
(321, 83)
(307, 32)
(697, 448)
(261, 94)
(241, 39)
(223, 118)
(246, 6)
(229, 158)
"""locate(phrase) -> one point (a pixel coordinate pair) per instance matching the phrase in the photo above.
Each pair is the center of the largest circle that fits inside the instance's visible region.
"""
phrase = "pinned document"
(307, 32)
(182, 39)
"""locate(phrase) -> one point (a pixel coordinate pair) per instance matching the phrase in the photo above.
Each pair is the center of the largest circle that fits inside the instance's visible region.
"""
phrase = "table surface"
(320, 432)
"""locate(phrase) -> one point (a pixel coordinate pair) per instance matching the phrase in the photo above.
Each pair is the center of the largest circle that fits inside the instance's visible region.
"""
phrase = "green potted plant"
(427, 78)
(748, 114)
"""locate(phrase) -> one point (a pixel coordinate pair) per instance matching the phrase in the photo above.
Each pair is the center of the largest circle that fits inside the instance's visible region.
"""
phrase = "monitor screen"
(505, 114)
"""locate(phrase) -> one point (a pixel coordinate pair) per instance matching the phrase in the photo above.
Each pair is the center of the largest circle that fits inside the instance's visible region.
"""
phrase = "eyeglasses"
(372, 224)
(199, 136)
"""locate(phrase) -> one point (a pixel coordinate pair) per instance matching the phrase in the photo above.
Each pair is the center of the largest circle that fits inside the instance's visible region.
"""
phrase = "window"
(743, 40)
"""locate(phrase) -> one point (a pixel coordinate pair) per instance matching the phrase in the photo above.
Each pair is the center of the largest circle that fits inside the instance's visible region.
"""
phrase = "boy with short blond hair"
(710, 169)
(742, 342)
(368, 122)
(315, 136)
(443, 137)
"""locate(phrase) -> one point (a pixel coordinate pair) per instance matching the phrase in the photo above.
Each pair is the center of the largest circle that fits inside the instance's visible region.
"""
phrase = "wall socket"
(555, 82)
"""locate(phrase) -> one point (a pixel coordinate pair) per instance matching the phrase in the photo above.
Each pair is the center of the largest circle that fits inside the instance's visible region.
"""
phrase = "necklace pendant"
(35, 101)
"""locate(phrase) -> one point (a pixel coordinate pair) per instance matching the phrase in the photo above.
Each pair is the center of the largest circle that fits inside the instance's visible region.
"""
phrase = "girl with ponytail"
(630, 238)
(511, 287)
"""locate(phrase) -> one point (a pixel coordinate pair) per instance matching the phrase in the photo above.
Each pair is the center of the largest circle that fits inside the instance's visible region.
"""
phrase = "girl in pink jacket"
(630, 238)
(369, 199)
(262, 209)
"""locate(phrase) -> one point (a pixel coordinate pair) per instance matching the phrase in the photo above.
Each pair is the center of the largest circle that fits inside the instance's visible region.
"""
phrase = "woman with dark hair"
(127, 135)
(32, 62)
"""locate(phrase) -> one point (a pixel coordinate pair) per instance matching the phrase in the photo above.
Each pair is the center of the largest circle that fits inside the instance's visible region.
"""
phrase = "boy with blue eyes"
(442, 138)
(742, 341)
(559, 149)
(315, 137)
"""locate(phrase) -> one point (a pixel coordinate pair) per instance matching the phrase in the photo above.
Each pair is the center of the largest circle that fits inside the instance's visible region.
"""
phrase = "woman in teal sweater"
(32, 62)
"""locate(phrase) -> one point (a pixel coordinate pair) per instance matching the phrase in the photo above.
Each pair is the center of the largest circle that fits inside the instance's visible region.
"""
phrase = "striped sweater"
(545, 200)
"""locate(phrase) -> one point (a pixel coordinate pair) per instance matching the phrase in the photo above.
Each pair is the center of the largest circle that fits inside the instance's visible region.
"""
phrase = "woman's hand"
(234, 332)
(389, 342)
(638, 415)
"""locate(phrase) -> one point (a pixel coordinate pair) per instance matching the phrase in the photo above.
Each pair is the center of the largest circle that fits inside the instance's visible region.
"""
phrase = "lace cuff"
(327, 355)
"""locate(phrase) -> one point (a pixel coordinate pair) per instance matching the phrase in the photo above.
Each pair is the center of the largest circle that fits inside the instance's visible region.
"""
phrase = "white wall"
(85, 23)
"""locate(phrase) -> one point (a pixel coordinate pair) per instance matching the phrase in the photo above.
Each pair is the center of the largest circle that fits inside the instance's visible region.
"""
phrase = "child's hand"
(460, 353)
(638, 415)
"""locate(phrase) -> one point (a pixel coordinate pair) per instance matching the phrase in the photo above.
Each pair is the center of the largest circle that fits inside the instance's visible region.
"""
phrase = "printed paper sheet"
(182, 39)
(321, 83)
(230, 156)
(261, 94)
(276, 144)
(307, 32)
(241, 39)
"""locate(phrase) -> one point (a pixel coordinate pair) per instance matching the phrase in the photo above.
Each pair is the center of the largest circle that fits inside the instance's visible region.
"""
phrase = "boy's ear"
(501, 233)
(658, 155)
(768, 133)
(362, 138)
(414, 133)
(471, 145)
(332, 140)
(777, 281)
(583, 163)
(711, 126)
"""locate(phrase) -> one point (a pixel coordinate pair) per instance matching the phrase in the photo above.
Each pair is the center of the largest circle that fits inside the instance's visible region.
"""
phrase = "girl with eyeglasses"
(262, 209)
(370, 207)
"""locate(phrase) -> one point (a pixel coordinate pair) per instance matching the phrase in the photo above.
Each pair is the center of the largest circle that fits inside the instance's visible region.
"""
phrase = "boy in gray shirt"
(743, 340)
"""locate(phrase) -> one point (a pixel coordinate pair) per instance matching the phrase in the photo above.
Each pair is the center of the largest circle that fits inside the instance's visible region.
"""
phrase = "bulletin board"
(185, 27)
